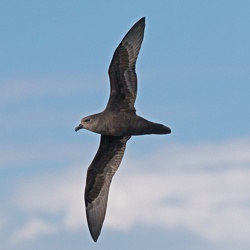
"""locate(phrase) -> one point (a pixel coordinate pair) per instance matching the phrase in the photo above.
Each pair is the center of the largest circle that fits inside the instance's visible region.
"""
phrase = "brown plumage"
(116, 124)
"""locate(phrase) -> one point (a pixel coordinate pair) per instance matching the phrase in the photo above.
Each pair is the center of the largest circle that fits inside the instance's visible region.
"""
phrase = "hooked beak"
(78, 127)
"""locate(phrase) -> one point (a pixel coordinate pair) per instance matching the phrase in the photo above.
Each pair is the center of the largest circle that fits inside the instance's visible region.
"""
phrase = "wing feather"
(99, 177)
(123, 79)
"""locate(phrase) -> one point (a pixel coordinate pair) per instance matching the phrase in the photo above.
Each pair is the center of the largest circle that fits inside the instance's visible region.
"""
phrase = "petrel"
(116, 124)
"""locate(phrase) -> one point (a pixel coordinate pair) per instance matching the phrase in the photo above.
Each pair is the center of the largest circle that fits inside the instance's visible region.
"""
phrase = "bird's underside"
(116, 124)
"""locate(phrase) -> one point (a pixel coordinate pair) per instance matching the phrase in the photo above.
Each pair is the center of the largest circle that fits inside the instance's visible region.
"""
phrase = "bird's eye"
(87, 120)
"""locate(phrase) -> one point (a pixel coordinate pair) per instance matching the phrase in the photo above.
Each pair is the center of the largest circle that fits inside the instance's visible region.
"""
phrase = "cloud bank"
(201, 188)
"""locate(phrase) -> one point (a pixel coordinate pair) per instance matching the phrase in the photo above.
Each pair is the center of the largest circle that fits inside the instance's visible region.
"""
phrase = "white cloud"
(211, 156)
(31, 230)
(199, 193)
(40, 153)
(14, 89)
(36, 103)
(55, 193)
(210, 204)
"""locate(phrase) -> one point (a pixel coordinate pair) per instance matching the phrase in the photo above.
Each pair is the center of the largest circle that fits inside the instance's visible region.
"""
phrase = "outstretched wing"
(123, 79)
(99, 177)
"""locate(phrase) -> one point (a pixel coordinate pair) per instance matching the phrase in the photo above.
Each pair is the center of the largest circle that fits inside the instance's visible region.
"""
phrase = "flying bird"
(116, 124)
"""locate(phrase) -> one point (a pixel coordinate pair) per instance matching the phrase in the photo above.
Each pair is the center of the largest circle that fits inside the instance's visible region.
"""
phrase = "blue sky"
(187, 190)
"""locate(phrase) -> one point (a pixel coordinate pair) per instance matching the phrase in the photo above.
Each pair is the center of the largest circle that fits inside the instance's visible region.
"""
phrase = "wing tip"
(140, 22)
(139, 26)
(94, 236)
(142, 19)
(94, 221)
(94, 232)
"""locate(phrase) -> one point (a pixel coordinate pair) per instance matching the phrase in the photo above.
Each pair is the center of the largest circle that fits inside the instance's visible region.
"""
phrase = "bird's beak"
(78, 127)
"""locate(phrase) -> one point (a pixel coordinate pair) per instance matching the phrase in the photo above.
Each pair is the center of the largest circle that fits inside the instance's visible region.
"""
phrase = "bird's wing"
(99, 177)
(123, 79)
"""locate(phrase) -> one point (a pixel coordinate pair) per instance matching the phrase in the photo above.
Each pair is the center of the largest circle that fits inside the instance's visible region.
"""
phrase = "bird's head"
(89, 122)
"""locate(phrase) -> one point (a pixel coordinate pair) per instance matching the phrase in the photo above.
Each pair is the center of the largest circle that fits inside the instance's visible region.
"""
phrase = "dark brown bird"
(116, 124)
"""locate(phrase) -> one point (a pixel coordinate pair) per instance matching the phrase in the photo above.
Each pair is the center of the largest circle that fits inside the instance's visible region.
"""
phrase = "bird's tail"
(156, 128)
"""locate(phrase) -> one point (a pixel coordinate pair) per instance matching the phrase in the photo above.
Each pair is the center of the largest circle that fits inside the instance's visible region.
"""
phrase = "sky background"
(187, 190)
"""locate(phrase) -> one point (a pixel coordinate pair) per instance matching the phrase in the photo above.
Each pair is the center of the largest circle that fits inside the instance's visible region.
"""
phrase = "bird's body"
(122, 124)
(116, 124)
